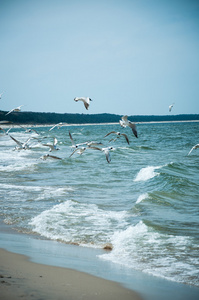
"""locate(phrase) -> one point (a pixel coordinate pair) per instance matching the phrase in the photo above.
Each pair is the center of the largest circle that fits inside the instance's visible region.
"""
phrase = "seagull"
(194, 147)
(92, 143)
(171, 106)
(86, 101)
(6, 132)
(21, 146)
(79, 151)
(106, 151)
(118, 136)
(14, 109)
(125, 122)
(56, 125)
(44, 157)
(1, 95)
(53, 146)
(27, 130)
(73, 143)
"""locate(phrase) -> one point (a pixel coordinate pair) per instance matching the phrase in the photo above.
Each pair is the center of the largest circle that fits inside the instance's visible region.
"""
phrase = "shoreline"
(8, 125)
(20, 277)
(83, 260)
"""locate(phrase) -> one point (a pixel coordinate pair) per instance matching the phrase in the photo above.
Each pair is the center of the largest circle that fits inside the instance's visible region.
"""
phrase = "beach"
(21, 278)
(67, 213)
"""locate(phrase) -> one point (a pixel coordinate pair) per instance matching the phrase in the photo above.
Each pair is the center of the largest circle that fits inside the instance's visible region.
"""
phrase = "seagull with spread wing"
(124, 122)
(17, 109)
(85, 100)
(118, 135)
(193, 148)
(53, 147)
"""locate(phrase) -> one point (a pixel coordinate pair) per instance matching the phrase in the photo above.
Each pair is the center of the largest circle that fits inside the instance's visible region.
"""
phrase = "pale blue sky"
(131, 57)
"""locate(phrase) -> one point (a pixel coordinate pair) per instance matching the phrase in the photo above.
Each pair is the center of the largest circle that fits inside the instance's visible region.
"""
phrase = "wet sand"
(22, 279)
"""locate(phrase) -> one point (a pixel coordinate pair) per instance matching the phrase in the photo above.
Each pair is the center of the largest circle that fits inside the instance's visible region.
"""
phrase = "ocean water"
(144, 204)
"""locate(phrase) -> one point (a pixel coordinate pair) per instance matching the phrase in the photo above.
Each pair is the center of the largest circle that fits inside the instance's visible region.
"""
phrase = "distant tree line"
(54, 118)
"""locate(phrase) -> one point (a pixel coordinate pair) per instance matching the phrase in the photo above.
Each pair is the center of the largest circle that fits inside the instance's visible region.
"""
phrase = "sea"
(142, 207)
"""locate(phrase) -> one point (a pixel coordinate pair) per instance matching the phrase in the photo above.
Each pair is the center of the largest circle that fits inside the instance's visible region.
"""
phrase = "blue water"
(144, 204)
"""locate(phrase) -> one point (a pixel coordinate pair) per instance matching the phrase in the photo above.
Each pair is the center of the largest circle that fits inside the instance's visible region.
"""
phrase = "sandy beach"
(20, 278)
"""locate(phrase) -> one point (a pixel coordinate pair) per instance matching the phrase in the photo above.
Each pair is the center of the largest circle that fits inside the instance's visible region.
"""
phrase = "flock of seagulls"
(75, 148)
(79, 148)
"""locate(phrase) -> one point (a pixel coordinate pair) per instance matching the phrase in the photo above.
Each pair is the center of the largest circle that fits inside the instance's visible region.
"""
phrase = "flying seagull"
(194, 147)
(171, 106)
(56, 125)
(125, 122)
(78, 150)
(74, 145)
(53, 146)
(106, 152)
(118, 136)
(44, 157)
(86, 101)
(27, 130)
(14, 110)
(1, 95)
(20, 144)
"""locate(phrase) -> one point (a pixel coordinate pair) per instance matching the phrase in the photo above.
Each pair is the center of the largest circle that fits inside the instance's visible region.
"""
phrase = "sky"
(132, 57)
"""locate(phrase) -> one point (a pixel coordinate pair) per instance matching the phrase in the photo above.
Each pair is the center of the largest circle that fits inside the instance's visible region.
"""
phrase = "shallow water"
(144, 203)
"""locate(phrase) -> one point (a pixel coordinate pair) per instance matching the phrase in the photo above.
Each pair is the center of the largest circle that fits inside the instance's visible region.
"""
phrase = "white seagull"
(78, 150)
(44, 157)
(56, 125)
(118, 136)
(14, 110)
(1, 95)
(74, 145)
(53, 146)
(194, 147)
(27, 130)
(171, 106)
(21, 146)
(92, 143)
(106, 151)
(125, 122)
(86, 101)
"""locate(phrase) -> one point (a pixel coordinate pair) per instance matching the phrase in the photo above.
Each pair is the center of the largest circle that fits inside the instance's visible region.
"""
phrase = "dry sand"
(22, 279)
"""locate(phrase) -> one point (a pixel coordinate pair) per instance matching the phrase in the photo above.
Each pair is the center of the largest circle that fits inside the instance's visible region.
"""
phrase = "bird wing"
(194, 147)
(48, 145)
(126, 137)
(190, 150)
(10, 111)
(52, 127)
(125, 119)
(55, 157)
(73, 143)
(86, 104)
(110, 133)
(108, 156)
(55, 142)
(133, 127)
(16, 141)
(73, 152)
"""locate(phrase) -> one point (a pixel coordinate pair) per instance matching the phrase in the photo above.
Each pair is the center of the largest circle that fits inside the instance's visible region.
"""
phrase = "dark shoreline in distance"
(25, 117)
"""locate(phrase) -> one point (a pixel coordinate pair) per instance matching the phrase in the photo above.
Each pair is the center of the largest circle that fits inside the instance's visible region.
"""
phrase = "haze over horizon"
(131, 57)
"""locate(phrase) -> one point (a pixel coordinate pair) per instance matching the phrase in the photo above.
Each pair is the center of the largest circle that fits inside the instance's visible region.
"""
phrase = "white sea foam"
(40, 192)
(147, 173)
(142, 197)
(142, 248)
(74, 222)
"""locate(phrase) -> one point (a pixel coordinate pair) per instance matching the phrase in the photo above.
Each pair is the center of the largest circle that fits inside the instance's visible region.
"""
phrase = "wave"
(142, 197)
(147, 173)
(145, 249)
(78, 223)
